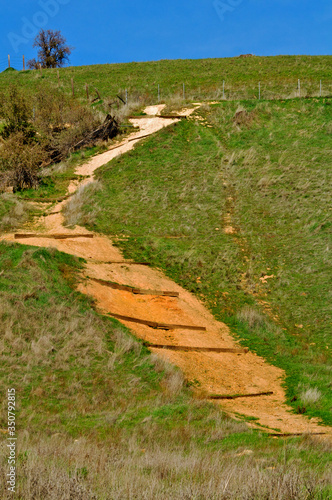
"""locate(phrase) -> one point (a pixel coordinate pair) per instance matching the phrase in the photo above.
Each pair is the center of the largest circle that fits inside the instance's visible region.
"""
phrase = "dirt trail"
(214, 373)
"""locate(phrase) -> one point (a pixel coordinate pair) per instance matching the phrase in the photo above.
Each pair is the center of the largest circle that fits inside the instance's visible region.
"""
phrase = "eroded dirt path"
(225, 373)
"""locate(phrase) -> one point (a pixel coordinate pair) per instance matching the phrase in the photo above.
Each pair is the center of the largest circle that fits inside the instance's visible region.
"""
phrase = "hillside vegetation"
(99, 417)
(236, 209)
(37, 130)
(203, 78)
(233, 205)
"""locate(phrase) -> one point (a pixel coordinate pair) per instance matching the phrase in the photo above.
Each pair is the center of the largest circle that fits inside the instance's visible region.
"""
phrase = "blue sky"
(107, 31)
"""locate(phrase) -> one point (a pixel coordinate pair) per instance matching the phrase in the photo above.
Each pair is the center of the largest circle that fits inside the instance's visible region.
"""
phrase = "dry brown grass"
(53, 338)
(20, 161)
(173, 378)
(13, 212)
(243, 117)
(251, 316)
(73, 209)
(59, 467)
(310, 395)
(93, 422)
(122, 112)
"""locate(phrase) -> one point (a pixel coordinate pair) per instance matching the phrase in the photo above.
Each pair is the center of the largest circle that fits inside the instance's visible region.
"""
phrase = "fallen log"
(107, 130)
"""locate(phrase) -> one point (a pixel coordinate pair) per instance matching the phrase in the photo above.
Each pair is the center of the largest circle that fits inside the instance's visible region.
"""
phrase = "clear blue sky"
(107, 31)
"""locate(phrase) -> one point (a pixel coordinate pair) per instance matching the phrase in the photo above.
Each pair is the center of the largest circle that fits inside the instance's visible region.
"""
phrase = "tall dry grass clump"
(60, 467)
(13, 212)
(173, 380)
(123, 111)
(73, 210)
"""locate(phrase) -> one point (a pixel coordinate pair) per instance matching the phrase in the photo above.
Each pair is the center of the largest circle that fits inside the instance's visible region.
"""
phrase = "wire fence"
(182, 91)
(226, 91)
(15, 62)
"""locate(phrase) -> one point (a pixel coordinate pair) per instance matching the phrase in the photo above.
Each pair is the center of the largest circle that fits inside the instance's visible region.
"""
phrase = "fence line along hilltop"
(102, 84)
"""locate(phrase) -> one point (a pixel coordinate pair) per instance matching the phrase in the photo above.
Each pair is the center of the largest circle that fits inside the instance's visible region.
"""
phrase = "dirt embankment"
(179, 321)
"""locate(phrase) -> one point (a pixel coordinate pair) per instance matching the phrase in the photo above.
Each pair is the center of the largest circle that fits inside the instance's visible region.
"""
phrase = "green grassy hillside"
(245, 191)
(203, 77)
(98, 417)
(261, 172)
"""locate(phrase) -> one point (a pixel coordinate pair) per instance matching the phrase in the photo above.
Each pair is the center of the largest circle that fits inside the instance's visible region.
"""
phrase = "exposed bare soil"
(209, 372)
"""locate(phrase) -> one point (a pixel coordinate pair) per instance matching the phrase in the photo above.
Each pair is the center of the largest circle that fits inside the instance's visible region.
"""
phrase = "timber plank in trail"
(198, 349)
(167, 117)
(19, 236)
(135, 290)
(47, 200)
(296, 434)
(122, 262)
(237, 396)
(155, 324)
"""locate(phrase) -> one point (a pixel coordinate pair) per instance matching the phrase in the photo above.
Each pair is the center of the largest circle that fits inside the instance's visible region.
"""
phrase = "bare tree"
(53, 51)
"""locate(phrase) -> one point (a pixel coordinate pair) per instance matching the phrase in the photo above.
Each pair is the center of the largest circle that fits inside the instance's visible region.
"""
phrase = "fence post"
(58, 78)
(40, 69)
(23, 63)
(8, 61)
(126, 96)
(299, 85)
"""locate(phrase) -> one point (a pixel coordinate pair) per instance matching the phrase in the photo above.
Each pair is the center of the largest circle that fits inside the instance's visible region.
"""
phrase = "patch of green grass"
(87, 369)
(53, 185)
(55, 179)
(13, 212)
(262, 168)
(85, 386)
(203, 77)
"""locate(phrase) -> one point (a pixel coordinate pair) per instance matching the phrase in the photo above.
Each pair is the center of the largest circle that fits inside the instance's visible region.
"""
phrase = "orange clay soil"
(213, 373)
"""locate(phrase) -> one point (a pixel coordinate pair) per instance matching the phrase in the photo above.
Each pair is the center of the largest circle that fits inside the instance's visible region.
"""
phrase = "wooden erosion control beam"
(139, 137)
(19, 236)
(297, 434)
(48, 200)
(154, 324)
(134, 290)
(198, 349)
(179, 117)
(122, 262)
(167, 117)
(236, 396)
